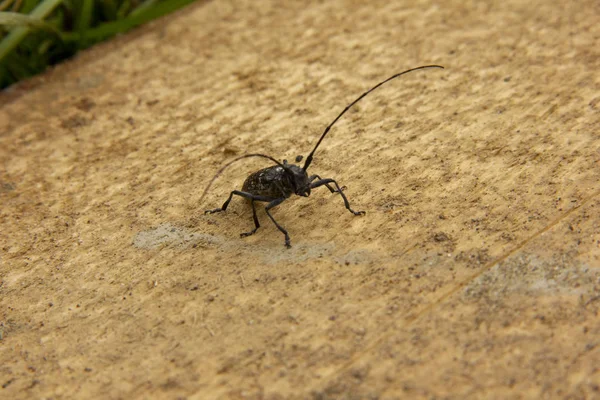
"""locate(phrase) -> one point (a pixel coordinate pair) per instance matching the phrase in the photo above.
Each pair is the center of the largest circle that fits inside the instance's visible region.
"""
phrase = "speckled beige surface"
(474, 274)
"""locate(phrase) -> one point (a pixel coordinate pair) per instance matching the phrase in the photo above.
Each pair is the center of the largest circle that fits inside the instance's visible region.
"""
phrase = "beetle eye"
(298, 158)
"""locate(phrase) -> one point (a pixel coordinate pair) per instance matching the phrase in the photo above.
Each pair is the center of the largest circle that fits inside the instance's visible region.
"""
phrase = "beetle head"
(298, 178)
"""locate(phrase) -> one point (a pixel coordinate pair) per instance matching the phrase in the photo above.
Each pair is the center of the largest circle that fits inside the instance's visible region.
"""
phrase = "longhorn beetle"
(274, 184)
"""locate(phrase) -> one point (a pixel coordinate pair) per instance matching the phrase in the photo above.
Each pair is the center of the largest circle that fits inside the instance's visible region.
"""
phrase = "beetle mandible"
(275, 184)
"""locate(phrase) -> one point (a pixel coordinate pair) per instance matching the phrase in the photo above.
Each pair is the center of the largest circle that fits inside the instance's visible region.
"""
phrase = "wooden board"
(474, 274)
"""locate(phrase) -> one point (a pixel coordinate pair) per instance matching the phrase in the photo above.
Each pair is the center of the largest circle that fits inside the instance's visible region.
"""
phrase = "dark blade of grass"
(12, 19)
(129, 22)
(109, 10)
(144, 6)
(27, 50)
(16, 35)
(85, 15)
(124, 9)
(83, 21)
(27, 6)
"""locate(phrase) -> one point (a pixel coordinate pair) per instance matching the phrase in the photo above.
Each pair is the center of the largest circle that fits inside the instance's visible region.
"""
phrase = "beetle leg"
(332, 190)
(245, 195)
(256, 224)
(267, 208)
(325, 182)
(224, 207)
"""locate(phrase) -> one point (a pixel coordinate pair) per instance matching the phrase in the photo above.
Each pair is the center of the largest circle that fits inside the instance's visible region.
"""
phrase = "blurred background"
(38, 33)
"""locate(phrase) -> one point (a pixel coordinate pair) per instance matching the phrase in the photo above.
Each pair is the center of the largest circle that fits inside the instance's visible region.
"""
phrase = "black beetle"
(276, 183)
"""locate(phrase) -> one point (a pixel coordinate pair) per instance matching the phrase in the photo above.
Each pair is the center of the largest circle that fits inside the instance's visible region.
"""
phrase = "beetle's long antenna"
(310, 156)
(224, 167)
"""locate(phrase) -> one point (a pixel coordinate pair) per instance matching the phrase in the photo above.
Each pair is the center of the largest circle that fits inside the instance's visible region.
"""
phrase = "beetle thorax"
(298, 179)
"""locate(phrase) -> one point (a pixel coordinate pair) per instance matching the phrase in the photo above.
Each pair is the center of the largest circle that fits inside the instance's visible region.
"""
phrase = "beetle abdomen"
(267, 182)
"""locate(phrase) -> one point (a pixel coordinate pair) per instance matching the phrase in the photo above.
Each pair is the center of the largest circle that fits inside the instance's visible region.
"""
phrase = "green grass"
(37, 33)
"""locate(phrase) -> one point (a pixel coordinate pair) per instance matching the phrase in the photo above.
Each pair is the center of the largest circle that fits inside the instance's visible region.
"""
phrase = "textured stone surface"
(474, 274)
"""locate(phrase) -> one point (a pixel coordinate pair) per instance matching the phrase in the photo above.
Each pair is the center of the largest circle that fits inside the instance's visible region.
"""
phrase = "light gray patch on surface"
(169, 234)
(531, 275)
(356, 257)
